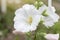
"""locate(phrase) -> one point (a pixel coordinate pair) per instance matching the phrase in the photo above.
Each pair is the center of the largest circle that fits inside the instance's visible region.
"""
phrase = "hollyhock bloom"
(49, 16)
(52, 36)
(26, 18)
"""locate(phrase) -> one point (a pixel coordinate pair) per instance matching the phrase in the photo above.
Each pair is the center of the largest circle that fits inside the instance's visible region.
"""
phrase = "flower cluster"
(28, 17)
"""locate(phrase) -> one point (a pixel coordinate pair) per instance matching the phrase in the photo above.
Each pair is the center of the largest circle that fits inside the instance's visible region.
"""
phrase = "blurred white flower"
(26, 18)
(53, 8)
(3, 6)
(1, 33)
(49, 17)
(52, 36)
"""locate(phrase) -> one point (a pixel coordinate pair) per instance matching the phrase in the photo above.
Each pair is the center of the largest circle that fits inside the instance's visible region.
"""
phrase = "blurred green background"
(6, 19)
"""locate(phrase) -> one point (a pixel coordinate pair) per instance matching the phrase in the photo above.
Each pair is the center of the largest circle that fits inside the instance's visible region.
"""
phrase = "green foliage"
(17, 37)
(6, 21)
(57, 27)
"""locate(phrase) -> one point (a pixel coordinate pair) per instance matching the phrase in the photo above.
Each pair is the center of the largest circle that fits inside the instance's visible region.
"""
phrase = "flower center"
(29, 20)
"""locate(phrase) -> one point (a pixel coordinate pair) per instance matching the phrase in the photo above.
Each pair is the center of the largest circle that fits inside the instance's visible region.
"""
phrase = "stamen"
(29, 20)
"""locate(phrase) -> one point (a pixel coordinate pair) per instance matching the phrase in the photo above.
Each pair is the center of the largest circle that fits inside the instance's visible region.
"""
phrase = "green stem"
(36, 31)
(39, 33)
(35, 35)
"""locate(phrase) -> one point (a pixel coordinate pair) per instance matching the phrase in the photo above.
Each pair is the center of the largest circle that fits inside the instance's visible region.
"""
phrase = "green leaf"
(40, 32)
(29, 36)
(17, 37)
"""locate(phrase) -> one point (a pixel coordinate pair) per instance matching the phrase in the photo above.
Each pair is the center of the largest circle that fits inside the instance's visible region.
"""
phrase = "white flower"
(53, 8)
(52, 36)
(26, 18)
(49, 17)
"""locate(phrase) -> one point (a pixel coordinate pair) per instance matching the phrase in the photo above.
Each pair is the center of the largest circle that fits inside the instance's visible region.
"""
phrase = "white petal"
(22, 27)
(53, 15)
(53, 8)
(42, 8)
(30, 9)
(48, 22)
(19, 11)
(36, 20)
(52, 36)
(20, 18)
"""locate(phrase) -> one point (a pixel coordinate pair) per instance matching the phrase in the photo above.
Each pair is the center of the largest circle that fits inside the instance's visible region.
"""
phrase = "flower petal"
(36, 20)
(52, 36)
(53, 15)
(42, 8)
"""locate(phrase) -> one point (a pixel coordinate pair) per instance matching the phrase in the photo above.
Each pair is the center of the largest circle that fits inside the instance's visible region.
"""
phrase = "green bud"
(36, 4)
(40, 3)
(44, 13)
